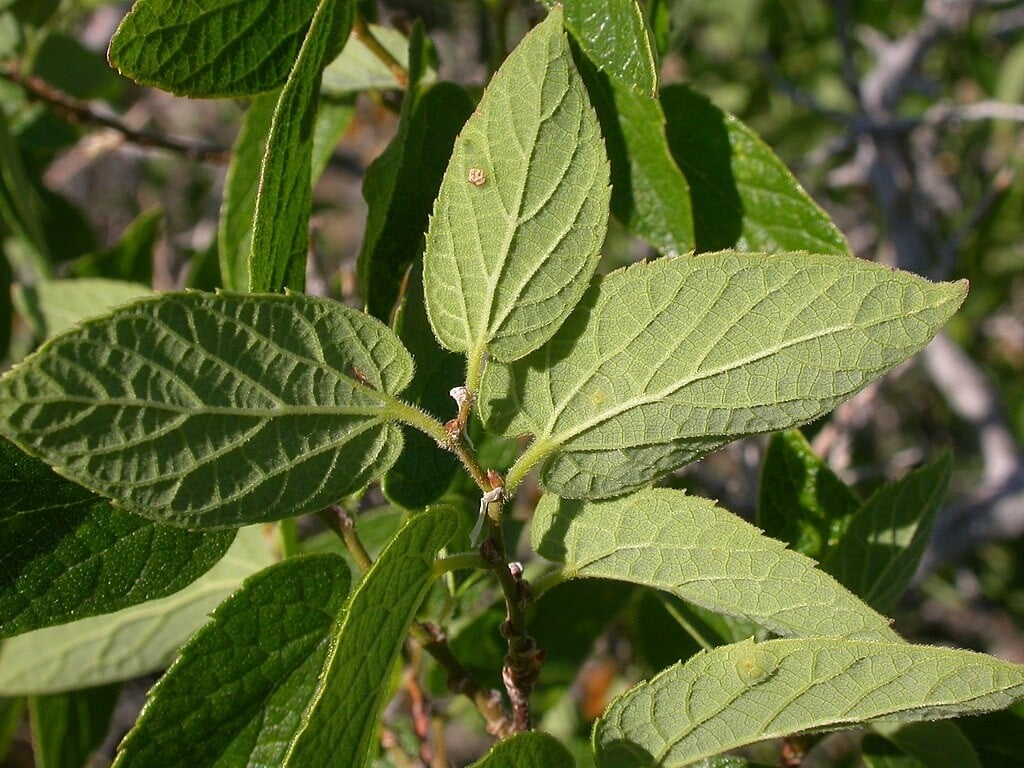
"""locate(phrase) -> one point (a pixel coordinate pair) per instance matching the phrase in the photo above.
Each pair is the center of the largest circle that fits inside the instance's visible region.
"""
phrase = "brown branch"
(79, 112)
(363, 34)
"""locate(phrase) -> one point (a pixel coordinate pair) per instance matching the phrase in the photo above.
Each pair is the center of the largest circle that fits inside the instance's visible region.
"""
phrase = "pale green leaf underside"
(128, 643)
(216, 48)
(214, 410)
(54, 306)
(530, 749)
(705, 555)
(339, 724)
(664, 362)
(742, 693)
(523, 207)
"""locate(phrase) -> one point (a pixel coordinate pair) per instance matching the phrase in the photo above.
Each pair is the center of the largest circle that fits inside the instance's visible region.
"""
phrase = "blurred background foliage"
(903, 120)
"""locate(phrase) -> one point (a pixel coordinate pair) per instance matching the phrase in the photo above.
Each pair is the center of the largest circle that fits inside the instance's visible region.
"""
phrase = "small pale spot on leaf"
(477, 177)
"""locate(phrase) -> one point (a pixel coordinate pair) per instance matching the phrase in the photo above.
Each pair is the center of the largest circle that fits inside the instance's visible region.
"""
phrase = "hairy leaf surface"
(664, 362)
(234, 696)
(343, 716)
(280, 236)
(704, 554)
(214, 410)
(530, 749)
(131, 642)
(216, 48)
(746, 692)
(521, 215)
(77, 556)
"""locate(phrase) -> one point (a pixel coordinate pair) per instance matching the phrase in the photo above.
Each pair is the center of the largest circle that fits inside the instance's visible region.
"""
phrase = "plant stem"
(79, 112)
(460, 561)
(288, 535)
(364, 35)
(342, 523)
(546, 582)
(528, 459)
(488, 703)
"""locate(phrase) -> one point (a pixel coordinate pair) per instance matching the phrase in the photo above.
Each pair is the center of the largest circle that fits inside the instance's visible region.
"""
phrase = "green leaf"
(522, 211)
(67, 728)
(880, 550)
(11, 711)
(54, 306)
(614, 36)
(19, 203)
(876, 752)
(403, 181)
(234, 697)
(219, 48)
(214, 410)
(996, 737)
(531, 749)
(746, 692)
(664, 362)
(359, 69)
(801, 501)
(423, 471)
(6, 305)
(339, 724)
(234, 228)
(77, 556)
(131, 642)
(131, 259)
(744, 197)
(280, 236)
(937, 744)
(650, 195)
(703, 554)
(332, 120)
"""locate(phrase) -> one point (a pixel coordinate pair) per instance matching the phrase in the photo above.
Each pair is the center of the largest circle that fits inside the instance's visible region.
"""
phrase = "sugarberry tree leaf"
(210, 49)
(53, 306)
(131, 642)
(77, 556)
(339, 722)
(744, 197)
(800, 500)
(664, 362)
(530, 749)
(738, 694)
(280, 237)
(880, 550)
(703, 554)
(614, 36)
(234, 696)
(522, 210)
(214, 410)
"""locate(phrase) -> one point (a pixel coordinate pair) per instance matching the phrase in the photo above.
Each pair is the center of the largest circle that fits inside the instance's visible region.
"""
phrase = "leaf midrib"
(216, 410)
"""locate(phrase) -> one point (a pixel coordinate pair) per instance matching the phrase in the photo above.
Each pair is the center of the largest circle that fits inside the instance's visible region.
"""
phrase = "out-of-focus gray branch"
(897, 160)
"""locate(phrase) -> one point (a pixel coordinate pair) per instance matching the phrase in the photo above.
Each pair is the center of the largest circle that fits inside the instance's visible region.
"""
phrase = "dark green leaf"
(801, 501)
(280, 236)
(403, 181)
(613, 35)
(527, 750)
(67, 65)
(20, 208)
(131, 642)
(880, 753)
(77, 556)
(339, 724)
(131, 259)
(6, 306)
(67, 728)
(234, 229)
(650, 195)
(996, 737)
(881, 548)
(423, 470)
(236, 694)
(936, 744)
(214, 409)
(217, 48)
(744, 197)
(11, 712)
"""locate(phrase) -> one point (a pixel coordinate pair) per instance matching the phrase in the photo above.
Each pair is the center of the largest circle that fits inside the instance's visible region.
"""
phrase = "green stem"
(366, 37)
(288, 536)
(460, 561)
(546, 582)
(528, 459)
